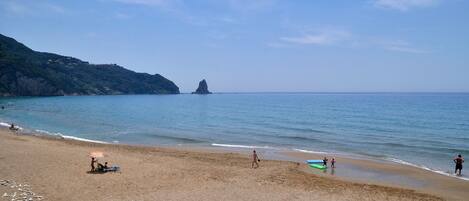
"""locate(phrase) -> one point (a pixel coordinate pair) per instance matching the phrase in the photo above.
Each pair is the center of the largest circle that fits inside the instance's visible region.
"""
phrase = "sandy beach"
(58, 170)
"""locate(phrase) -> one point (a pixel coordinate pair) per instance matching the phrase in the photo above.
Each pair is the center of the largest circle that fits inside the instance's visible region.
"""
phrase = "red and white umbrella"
(97, 154)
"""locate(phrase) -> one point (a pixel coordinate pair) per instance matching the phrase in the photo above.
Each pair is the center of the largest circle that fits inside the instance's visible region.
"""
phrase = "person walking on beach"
(93, 161)
(333, 163)
(459, 161)
(255, 160)
(324, 162)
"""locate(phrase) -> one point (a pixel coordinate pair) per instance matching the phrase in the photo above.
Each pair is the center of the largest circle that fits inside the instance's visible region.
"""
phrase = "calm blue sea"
(420, 129)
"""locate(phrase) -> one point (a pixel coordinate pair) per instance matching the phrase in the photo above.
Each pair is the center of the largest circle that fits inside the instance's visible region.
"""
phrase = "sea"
(424, 130)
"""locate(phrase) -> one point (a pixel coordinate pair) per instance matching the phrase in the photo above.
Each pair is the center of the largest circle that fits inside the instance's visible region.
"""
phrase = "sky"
(260, 45)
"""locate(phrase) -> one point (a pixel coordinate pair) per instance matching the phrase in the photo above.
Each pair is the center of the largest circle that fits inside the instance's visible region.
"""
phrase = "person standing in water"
(333, 163)
(13, 127)
(324, 161)
(255, 159)
(459, 161)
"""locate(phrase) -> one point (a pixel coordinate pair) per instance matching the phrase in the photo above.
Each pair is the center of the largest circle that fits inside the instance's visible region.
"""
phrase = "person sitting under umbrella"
(100, 167)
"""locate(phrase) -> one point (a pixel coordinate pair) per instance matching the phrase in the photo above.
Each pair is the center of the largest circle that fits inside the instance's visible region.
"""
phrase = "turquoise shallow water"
(421, 129)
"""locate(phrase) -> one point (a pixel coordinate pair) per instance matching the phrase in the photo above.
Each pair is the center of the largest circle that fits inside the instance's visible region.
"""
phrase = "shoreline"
(241, 148)
(371, 171)
(437, 185)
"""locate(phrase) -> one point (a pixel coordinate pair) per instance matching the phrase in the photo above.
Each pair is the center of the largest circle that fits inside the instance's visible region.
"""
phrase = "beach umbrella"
(97, 154)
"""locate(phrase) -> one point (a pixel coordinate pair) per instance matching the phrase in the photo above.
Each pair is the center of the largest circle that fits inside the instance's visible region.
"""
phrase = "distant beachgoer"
(333, 163)
(113, 168)
(13, 127)
(255, 159)
(459, 161)
(93, 161)
(324, 161)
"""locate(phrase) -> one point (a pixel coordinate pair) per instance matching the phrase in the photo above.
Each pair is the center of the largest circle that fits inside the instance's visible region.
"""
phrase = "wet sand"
(391, 174)
(58, 170)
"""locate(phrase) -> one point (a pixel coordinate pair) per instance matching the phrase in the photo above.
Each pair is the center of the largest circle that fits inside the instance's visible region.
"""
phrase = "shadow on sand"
(95, 172)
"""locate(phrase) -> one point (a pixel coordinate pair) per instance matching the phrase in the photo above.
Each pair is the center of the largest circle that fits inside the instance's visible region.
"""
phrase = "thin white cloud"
(277, 45)
(23, 9)
(404, 5)
(401, 46)
(147, 2)
(343, 38)
(228, 20)
(309, 39)
(175, 8)
(122, 16)
(324, 37)
(251, 5)
(55, 8)
(91, 35)
(15, 8)
(406, 49)
(217, 34)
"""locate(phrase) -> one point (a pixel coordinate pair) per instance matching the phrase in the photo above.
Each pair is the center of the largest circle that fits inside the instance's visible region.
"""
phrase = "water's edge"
(37, 132)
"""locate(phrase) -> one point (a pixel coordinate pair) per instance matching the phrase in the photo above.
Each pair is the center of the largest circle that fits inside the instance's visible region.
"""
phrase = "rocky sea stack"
(202, 89)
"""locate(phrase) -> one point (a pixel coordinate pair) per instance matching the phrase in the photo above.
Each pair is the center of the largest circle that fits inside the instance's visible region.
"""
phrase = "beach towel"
(112, 169)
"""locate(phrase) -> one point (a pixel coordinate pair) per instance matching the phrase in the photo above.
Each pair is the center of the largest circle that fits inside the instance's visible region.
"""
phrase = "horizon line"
(340, 92)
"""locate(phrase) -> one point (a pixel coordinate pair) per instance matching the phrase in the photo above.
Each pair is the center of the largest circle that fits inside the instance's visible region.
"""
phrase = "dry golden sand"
(57, 170)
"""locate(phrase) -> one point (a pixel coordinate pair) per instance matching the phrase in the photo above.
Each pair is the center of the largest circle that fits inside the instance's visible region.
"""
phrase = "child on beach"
(324, 161)
(459, 161)
(333, 163)
(255, 159)
(93, 161)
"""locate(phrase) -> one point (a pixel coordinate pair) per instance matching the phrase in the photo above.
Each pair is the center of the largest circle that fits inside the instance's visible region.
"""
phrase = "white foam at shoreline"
(241, 146)
(47, 132)
(71, 137)
(3, 124)
(310, 152)
(83, 139)
(426, 168)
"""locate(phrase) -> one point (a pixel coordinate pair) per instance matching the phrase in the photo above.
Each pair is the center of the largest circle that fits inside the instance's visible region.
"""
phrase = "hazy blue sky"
(260, 45)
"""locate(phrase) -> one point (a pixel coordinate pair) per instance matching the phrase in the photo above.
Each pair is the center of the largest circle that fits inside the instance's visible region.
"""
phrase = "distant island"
(25, 72)
(202, 89)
